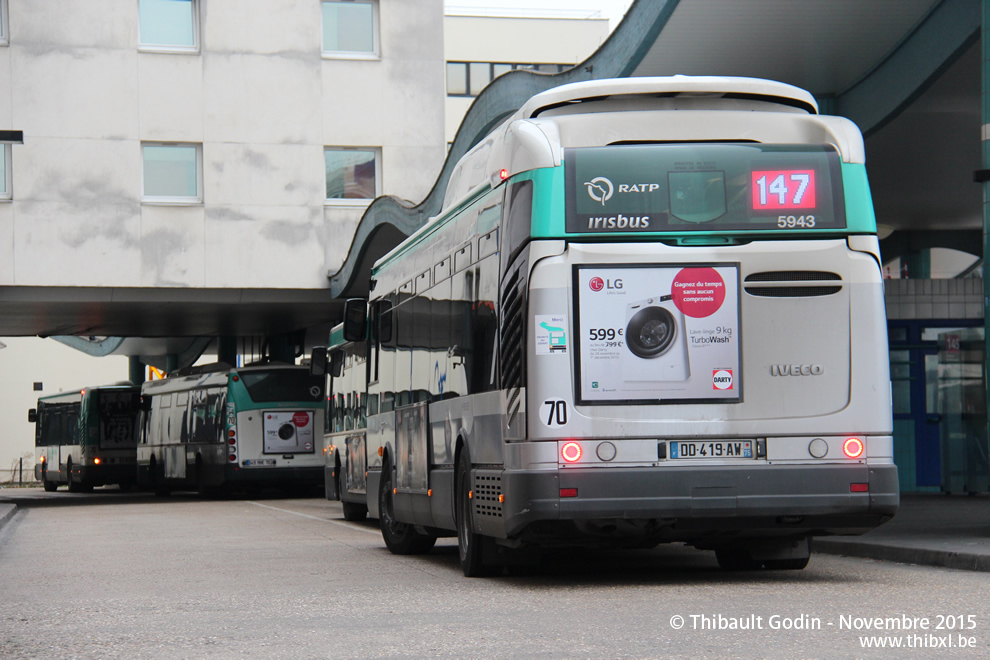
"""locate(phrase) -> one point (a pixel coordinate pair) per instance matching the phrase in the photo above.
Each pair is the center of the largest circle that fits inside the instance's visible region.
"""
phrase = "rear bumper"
(100, 475)
(302, 476)
(689, 502)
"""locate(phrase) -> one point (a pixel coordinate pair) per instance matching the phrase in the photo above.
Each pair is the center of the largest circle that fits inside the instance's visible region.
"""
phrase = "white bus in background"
(213, 427)
(650, 311)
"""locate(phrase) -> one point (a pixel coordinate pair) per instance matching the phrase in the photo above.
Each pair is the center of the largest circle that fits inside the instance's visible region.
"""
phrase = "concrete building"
(478, 49)
(225, 146)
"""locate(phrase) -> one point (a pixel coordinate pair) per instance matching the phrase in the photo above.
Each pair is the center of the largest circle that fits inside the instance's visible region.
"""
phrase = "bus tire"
(354, 512)
(736, 559)
(74, 487)
(400, 538)
(471, 546)
(50, 486)
(158, 485)
(204, 489)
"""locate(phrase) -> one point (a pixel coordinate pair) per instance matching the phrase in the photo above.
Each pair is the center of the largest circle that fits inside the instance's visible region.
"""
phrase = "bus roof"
(593, 91)
(574, 115)
(76, 395)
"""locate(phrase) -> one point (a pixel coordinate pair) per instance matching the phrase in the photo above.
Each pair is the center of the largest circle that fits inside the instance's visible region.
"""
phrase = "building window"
(168, 25)
(469, 78)
(4, 37)
(352, 174)
(350, 28)
(171, 173)
(4, 172)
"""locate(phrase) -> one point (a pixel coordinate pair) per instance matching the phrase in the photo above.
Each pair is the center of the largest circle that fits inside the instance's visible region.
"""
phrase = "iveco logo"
(796, 370)
(600, 189)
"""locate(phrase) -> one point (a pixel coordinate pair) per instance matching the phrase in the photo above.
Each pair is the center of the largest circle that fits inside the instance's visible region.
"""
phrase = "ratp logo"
(600, 189)
(596, 283)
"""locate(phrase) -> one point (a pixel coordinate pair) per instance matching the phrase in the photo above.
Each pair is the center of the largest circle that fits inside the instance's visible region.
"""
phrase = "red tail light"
(571, 452)
(853, 447)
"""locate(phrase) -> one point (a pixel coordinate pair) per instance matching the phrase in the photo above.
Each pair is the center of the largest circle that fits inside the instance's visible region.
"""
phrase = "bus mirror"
(32, 415)
(318, 361)
(337, 363)
(355, 319)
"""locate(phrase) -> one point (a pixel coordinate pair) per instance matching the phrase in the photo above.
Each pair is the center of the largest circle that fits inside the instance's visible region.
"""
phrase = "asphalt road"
(112, 575)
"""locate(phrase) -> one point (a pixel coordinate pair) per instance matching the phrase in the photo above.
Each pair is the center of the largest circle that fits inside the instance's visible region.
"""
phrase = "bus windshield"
(267, 386)
(703, 187)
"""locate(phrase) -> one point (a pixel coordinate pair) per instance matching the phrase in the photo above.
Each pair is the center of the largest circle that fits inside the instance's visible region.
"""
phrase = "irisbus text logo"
(600, 189)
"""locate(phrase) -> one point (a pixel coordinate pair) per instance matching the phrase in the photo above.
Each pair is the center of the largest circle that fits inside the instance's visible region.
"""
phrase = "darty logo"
(722, 379)
(600, 189)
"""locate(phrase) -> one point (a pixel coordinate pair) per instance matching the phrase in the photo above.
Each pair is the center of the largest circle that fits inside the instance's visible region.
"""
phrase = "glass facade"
(469, 78)
(167, 23)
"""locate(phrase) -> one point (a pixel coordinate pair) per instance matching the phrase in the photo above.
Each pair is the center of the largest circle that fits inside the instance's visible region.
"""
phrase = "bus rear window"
(282, 385)
(703, 187)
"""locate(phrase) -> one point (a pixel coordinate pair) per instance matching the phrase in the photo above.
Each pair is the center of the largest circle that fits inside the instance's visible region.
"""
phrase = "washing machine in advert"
(656, 341)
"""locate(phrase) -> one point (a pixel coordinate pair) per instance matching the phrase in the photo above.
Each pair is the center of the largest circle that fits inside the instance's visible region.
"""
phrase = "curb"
(905, 555)
(7, 511)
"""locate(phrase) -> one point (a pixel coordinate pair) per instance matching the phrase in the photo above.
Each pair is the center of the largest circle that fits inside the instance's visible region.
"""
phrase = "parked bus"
(213, 426)
(345, 472)
(87, 437)
(651, 310)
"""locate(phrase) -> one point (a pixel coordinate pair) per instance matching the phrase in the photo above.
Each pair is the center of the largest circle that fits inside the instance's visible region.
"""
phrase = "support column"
(918, 264)
(227, 350)
(136, 370)
(985, 96)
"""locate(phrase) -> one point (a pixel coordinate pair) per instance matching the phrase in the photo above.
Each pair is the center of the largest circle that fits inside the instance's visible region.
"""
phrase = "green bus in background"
(87, 437)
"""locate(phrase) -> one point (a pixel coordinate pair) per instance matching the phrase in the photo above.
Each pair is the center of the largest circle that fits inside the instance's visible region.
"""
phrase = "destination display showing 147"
(706, 187)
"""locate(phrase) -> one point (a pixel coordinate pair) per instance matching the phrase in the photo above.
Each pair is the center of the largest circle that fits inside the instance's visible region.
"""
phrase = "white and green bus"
(214, 426)
(87, 437)
(651, 310)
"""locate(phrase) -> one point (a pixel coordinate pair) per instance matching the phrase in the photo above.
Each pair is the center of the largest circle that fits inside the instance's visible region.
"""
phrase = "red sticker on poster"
(300, 419)
(698, 292)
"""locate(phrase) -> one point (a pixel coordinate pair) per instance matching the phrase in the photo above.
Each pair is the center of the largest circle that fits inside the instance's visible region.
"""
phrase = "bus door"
(412, 458)
(354, 475)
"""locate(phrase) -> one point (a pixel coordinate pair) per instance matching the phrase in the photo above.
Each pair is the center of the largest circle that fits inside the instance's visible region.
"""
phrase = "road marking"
(306, 515)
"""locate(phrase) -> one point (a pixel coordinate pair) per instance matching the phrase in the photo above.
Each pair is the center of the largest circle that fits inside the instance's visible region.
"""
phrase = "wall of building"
(260, 98)
(29, 360)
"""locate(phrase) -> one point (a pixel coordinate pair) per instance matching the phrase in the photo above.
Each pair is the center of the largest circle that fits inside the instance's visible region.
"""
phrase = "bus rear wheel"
(50, 486)
(354, 512)
(736, 559)
(787, 564)
(400, 538)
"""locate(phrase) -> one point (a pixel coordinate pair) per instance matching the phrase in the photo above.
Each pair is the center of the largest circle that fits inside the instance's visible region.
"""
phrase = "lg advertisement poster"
(658, 334)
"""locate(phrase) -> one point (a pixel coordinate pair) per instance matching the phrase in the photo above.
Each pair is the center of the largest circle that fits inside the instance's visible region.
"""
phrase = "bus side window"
(517, 221)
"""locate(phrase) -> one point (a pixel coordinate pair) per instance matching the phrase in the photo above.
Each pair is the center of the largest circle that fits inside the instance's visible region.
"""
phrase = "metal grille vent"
(792, 291)
(793, 276)
(792, 284)
(487, 488)
(512, 343)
